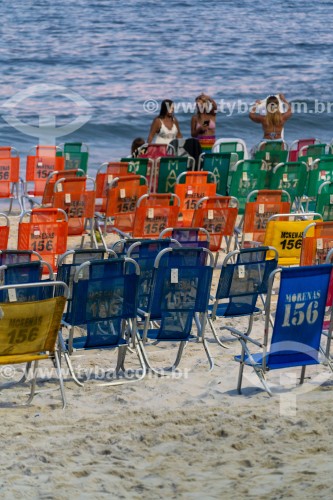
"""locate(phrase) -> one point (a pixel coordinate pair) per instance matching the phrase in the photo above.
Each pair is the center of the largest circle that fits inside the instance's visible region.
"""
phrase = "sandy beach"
(181, 437)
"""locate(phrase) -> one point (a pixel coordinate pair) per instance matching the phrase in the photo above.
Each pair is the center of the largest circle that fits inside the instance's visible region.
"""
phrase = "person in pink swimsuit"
(203, 123)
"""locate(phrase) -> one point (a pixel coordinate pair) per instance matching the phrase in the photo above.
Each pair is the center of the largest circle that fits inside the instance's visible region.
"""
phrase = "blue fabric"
(298, 360)
(21, 273)
(299, 315)
(234, 309)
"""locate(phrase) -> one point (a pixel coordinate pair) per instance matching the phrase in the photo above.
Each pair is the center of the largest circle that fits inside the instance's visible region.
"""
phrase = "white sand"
(192, 437)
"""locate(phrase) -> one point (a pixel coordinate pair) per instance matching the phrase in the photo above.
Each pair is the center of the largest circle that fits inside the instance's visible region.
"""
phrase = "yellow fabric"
(29, 328)
(286, 237)
(22, 358)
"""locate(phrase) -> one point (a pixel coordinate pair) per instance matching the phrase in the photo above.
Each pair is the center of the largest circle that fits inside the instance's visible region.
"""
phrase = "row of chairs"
(160, 292)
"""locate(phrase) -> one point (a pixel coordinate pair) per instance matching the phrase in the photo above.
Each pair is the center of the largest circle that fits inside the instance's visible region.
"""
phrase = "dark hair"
(165, 108)
(272, 99)
(138, 142)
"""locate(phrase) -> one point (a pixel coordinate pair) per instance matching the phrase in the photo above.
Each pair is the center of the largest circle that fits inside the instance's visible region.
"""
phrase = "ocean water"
(83, 70)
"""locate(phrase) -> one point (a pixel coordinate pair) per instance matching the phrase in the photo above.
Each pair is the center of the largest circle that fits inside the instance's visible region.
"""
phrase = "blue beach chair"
(297, 331)
(103, 305)
(243, 278)
(179, 298)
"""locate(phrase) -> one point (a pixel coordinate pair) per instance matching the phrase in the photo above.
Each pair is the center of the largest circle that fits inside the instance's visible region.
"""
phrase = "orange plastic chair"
(4, 231)
(73, 196)
(217, 214)
(104, 177)
(47, 199)
(39, 167)
(196, 186)
(45, 232)
(267, 202)
(316, 243)
(154, 213)
(9, 175)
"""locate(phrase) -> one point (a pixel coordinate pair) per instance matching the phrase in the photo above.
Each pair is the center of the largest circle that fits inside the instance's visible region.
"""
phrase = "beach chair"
(141, 166)
(296, 146)
(40, 165)
(316, 243)
(10, 176)
(285, 232)
(321, 170)
(297, 331)
(273, 153)
(308, 154)
(76, 155)
(188, 236)
(76, 197)
(247, 176)
(324, 200)
(191, 187)
(231, 145)
(155, 212)
(29, 329)
(243, 278)
(4, 231)
(179, 299)
(168, 169)
(103, 306)
(219, 164)
(122, 198)
(47, 199)
(259, 207)
(18, 256)
(292, 177)
(44, 230)
(104, 177)
(218, 216)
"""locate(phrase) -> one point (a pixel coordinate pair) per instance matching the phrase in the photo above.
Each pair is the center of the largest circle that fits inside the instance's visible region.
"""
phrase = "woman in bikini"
(165, 126)
(273, 122)
(203, 123)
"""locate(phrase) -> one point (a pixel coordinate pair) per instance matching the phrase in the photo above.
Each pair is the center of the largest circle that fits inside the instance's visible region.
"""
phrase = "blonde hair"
(205, 105)
(274, 115)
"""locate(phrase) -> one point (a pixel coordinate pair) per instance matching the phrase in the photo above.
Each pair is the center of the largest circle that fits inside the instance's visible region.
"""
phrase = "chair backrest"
(286, 235)
(248, 176)
(299, 316)
(296, 146)
(9, 170)
(104, 294)
(218, 216)
(140, 166)
(47, 199)
(244, 275)
(272, 155)
(292, 177)
(317, 242)
(219, 164)
(191, 187)
(104, 177)
(4, 231)
(321, 171)
(167, 169)
(256, 214)
(45, 232)
(40, 166)
(73, 196)
(309, 154)
(122, 197)
(145, 253)
(231, 145)
(76, 156)
(154, 213)
(30, 329)
(23, 272)
(181, 287)
(188, 236)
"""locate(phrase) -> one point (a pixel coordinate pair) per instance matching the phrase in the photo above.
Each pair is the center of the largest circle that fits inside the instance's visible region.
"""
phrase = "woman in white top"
(165, 126)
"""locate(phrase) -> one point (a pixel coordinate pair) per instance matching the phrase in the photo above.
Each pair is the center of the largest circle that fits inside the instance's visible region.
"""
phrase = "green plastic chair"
(168, 168)
(324, 202)
(220, 164)
(224, 146)
(140, 166)
(249, 175)
(273, 154)
(321, 171)
(309, 154)
(292, 177)
(76, 155)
